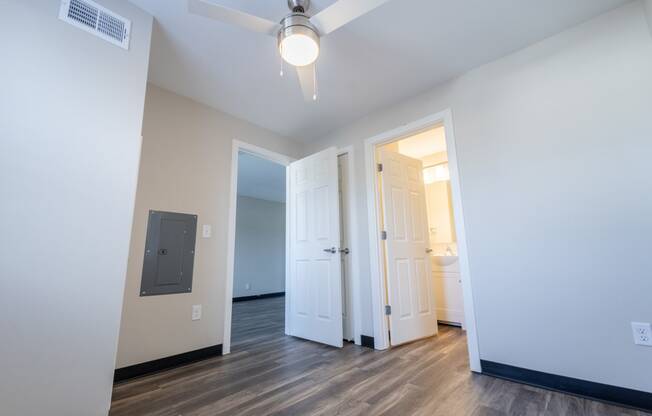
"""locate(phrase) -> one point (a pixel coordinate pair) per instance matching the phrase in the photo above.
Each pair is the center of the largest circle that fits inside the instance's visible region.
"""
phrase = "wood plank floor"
(268, 373)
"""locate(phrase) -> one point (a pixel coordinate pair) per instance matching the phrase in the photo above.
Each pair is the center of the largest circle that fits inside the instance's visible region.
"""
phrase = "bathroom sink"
(444, 260)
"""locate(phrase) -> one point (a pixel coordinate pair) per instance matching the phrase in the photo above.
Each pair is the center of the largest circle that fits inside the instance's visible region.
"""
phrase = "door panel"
(409, 284)
(403, 283)
(315, 292)
(422, 286)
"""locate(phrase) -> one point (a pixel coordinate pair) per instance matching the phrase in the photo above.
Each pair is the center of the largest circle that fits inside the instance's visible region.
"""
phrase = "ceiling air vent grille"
(93, 18)
(82, 13)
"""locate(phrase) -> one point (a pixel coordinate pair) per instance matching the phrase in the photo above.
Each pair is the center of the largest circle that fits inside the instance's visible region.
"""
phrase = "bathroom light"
(436, 173)
(298, 41)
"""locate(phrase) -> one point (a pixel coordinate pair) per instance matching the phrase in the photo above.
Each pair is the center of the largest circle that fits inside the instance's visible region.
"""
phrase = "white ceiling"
(394, 52)
(260, 178)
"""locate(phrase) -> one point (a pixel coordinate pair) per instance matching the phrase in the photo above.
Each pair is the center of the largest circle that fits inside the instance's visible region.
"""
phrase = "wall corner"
(648, 14)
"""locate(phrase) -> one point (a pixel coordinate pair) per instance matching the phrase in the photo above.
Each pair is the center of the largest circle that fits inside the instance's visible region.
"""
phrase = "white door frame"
(354, 243)
(378, 281)
(284, 160)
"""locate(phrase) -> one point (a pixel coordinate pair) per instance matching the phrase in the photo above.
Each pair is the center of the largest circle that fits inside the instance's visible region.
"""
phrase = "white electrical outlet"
(642, 333)
(196, 312)
(247, 286)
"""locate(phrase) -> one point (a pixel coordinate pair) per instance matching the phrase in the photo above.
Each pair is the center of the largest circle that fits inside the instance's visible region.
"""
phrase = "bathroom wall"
(440, 217)
(440, 209)
(434, 159)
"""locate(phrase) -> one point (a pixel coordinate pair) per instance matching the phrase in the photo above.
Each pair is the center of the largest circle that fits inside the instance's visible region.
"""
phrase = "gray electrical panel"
(169, 253)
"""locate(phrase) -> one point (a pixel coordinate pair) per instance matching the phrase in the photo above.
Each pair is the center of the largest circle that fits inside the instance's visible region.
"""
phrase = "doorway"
(322, 276)
(254, 288)
(418, 254)
(320, 289)
(259, 260)
(424, 155)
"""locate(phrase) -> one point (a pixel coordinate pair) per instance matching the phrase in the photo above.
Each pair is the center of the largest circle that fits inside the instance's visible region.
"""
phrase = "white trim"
(378, 283)
(236, 147)
(354, 243)
(288, 294)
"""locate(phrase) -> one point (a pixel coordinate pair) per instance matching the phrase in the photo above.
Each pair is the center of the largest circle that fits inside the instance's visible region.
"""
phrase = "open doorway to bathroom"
(416, 209)
(429, 148)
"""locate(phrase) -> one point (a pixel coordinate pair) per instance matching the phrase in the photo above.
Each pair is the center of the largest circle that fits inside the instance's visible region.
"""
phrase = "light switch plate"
(206, 231)
(642, 332)
(196, 312)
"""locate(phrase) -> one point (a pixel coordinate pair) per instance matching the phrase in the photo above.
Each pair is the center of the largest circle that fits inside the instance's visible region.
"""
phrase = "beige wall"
(559, 251)
(185, 167)
(71, 108)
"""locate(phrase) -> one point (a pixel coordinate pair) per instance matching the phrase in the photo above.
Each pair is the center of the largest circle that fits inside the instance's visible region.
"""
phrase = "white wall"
(554, 146)
(71, 108)
(185, 167)
(259, 247)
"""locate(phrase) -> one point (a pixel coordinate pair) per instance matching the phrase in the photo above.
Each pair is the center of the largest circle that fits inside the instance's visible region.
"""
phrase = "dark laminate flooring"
(268, 373)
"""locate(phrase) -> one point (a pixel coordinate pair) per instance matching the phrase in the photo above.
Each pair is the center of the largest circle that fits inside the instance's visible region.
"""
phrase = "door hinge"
(383, 235)
(380, 167)
(388, 309)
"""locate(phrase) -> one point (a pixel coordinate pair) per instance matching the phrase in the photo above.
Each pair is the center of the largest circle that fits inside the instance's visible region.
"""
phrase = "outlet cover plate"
(642, 332)
(196, 312)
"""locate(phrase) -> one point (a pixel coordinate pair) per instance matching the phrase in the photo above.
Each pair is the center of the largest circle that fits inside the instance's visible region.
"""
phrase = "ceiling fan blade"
(306, 76)
(224, 14)
(342, 12)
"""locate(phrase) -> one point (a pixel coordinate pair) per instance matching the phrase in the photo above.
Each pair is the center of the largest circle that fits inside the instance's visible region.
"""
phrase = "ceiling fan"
(297, 33)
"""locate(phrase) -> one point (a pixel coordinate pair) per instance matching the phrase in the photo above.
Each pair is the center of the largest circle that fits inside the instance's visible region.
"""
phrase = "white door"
(347, 285)
(315, 292)
(409, 284)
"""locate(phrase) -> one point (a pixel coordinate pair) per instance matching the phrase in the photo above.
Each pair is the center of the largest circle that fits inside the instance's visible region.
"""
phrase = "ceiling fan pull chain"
(314, 81)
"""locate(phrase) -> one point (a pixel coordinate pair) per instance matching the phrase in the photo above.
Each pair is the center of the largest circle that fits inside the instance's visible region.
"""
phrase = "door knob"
(344, 250)
(331, 250)
(428, 250)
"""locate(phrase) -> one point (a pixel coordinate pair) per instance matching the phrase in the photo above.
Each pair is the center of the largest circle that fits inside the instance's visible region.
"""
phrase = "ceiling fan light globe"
(299, 49)
(298, 40)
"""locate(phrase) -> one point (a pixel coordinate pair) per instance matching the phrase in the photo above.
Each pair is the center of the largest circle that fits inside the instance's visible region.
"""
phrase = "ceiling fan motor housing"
(300, 6)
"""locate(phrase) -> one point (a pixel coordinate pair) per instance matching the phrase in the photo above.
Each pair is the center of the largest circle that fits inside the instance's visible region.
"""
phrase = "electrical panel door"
(169, 253)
